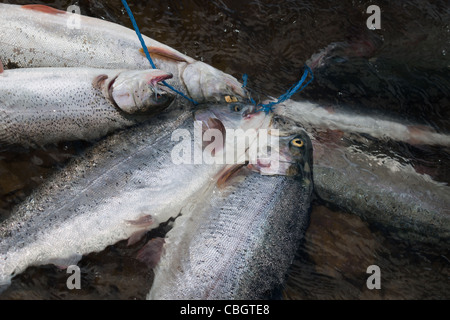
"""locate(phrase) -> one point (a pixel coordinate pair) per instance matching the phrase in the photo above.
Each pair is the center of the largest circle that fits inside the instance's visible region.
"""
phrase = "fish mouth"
(163, 95)
(155, 80)
(162, 98)
(138, 92)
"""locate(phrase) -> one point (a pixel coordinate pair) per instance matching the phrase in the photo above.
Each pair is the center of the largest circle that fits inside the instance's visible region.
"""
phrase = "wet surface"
(400, 71)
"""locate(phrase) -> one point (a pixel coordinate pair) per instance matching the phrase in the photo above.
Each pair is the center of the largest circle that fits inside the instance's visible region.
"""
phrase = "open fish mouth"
(140, 92)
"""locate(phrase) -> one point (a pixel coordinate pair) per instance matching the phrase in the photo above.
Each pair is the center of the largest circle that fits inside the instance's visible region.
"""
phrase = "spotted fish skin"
(39, 106)
(239, 242)
(40, 36)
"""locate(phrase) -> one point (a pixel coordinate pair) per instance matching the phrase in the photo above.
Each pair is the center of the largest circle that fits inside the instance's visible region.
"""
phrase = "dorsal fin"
(163, 54)
(42, 8)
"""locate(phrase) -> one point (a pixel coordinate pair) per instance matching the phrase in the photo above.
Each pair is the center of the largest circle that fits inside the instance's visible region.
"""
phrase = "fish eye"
(236, 108)
(297, 142)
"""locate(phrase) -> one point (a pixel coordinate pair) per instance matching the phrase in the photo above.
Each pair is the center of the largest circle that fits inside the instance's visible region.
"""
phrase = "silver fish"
(122, 187)
(383, 191)
(39, 106)
(378, 188)
(239, 242)
(311, 115)
(40, 36)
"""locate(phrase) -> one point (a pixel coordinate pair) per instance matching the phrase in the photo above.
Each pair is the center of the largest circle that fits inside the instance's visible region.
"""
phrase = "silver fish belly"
(40, 36)
(46, 105)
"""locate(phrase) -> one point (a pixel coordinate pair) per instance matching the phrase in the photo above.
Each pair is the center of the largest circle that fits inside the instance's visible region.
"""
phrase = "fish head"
(288, 151)
(205, 83)
(239, 125)
(137, 91)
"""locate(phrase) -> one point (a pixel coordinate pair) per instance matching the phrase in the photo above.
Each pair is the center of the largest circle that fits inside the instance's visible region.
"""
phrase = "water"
(400, 71)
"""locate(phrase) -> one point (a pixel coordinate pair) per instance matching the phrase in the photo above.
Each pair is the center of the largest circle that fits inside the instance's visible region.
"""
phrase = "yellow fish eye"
(297, 143)
(235, 108)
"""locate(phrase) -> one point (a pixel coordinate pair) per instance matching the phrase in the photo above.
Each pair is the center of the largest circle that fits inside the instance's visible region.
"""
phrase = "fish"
(39, 106)
(238, 243)
(383, 191)
(314, 116)
(41, 36)
(377, 187)
(123, 186)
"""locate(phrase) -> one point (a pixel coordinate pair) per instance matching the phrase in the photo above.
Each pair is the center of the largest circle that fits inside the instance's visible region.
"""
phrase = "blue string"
(147, 54)
(299, 86)
(264, 107)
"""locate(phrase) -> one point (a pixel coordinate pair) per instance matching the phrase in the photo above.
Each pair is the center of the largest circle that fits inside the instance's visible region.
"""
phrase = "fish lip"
(160, 90)
(156, 80)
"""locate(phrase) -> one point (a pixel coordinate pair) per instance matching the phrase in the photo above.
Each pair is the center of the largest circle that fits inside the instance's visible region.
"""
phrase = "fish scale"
(242, 248)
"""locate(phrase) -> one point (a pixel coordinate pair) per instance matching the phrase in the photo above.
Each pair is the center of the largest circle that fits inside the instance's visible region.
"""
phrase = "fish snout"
(286, 154)
(205, 83)
(140, 92)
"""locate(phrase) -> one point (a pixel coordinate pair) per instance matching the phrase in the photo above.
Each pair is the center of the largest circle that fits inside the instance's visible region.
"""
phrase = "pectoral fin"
(227, 173)
(213, 123)
(141, 225)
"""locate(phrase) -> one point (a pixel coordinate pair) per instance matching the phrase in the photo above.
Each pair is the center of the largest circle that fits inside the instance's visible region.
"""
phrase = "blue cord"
(299, 86)
(264, 107)
(147, 54)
